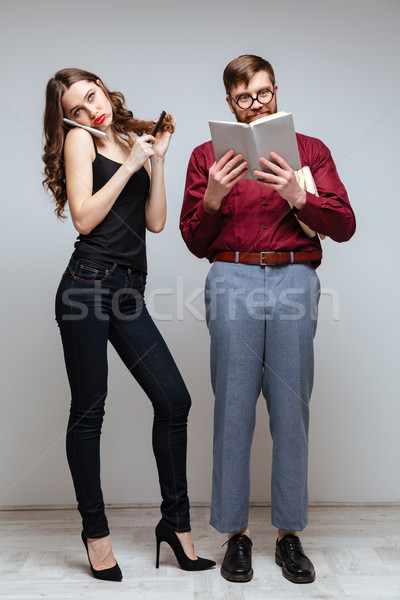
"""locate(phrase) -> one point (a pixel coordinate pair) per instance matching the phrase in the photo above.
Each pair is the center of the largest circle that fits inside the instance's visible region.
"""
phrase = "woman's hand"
(141, 151)
(162, 139)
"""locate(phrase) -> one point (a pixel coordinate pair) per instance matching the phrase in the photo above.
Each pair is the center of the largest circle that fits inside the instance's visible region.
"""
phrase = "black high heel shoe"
(112, 574)
(165, 534)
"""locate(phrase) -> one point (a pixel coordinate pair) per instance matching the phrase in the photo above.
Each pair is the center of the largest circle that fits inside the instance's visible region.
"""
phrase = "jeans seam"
(134, 277)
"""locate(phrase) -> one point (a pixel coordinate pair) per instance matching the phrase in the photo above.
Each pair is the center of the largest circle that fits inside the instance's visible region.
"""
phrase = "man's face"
(259, 81)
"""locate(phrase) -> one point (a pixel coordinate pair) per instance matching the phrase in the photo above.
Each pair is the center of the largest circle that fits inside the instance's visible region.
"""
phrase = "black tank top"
(120, 237)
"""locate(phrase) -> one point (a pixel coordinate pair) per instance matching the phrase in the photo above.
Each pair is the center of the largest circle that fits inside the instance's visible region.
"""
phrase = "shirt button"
(265, 203)
(264, 227)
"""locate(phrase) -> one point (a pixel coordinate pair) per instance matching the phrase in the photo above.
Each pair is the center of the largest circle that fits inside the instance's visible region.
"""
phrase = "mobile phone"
(158, 124)
(94, 132)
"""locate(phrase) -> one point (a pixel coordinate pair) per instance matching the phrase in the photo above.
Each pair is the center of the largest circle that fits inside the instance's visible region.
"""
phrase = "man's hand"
(283, 180)
(222, 177)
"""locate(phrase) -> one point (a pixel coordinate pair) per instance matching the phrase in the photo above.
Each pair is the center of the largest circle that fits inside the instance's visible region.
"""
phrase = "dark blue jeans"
(97, 302)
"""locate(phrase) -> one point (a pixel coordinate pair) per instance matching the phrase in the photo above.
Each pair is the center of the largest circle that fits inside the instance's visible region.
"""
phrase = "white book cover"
(271, 133)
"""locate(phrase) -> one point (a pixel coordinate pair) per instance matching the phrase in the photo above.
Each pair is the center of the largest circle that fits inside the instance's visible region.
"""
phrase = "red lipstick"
(99, 120)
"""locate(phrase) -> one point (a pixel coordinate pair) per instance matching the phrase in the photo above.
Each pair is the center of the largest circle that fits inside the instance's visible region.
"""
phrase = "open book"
(259, 138)
(271, 133)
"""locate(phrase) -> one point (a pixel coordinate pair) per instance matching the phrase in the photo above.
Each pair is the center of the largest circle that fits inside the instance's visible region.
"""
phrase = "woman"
(113, 196)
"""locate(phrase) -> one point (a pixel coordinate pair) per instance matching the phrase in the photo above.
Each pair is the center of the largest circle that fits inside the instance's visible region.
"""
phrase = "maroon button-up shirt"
(253, 218)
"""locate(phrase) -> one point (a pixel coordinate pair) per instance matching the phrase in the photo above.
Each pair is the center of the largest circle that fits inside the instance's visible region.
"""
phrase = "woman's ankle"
(100, 552)
(187, 544)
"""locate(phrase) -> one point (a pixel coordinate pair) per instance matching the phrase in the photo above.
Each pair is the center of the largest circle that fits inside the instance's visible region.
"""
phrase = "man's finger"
(281, 161)
(267, 177)
(231, 164)
(271, 166)
(225, 159)
(240, 169)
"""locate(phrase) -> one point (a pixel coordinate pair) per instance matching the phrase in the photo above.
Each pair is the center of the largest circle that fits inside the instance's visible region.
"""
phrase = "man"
(261, 308)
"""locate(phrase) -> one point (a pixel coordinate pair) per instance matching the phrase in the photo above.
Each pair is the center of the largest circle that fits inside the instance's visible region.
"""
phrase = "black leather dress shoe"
(237, 562)
(290, 556)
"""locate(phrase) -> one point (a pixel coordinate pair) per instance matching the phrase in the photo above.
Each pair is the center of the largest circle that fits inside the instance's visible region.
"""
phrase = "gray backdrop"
(337, 71)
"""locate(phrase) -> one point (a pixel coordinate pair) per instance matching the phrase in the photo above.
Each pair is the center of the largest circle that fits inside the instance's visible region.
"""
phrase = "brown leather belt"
(268, 258)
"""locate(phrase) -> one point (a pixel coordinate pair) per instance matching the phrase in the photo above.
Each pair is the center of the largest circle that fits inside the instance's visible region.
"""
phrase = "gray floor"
(355, 550)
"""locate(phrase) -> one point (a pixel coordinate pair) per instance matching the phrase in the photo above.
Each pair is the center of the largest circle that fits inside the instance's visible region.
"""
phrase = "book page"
(277, 135)
(276, 115)
(228, 136)
(252, 156)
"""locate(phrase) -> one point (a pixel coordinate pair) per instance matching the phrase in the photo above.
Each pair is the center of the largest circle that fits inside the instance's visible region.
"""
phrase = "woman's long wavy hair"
(55, 131)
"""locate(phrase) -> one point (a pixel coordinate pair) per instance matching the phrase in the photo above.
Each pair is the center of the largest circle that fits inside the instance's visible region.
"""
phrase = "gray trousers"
(262, 322)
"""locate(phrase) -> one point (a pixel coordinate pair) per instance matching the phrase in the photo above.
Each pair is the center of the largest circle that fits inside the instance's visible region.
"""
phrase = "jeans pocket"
(87, 272)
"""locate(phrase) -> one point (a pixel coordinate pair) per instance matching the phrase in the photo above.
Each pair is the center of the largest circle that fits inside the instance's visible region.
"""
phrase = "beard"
(248, 116)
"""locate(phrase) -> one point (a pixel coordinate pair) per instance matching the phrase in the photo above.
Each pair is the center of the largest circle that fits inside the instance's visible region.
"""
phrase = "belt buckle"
(270, 264)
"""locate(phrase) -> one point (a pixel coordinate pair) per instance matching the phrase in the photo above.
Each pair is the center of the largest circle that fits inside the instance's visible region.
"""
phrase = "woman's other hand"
(141, 151)
(163, 138)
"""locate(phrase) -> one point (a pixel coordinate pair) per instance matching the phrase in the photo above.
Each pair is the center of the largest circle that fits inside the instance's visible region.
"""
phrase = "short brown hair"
(242, 68)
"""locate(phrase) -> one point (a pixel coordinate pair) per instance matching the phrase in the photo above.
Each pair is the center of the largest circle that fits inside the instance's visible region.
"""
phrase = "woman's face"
(86, 103)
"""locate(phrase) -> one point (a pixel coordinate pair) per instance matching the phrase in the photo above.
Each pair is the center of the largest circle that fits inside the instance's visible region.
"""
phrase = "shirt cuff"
(310, 214)
(202, 213)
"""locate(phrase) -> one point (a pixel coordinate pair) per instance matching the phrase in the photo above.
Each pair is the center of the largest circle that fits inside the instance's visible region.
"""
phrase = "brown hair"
(55, 131)
(242, 69)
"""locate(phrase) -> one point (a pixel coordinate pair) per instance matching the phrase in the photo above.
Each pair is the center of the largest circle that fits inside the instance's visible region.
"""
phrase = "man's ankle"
(283, 532)
(244, 531)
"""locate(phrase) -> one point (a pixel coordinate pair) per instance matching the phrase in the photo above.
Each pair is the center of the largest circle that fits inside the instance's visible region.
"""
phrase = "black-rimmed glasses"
(244, 101)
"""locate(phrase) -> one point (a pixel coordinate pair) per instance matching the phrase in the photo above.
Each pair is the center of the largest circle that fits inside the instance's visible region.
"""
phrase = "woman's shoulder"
(79, 142)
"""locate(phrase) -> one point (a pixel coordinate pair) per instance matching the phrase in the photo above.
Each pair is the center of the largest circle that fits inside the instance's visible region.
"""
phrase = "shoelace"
(295, 545)
(239, 543)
